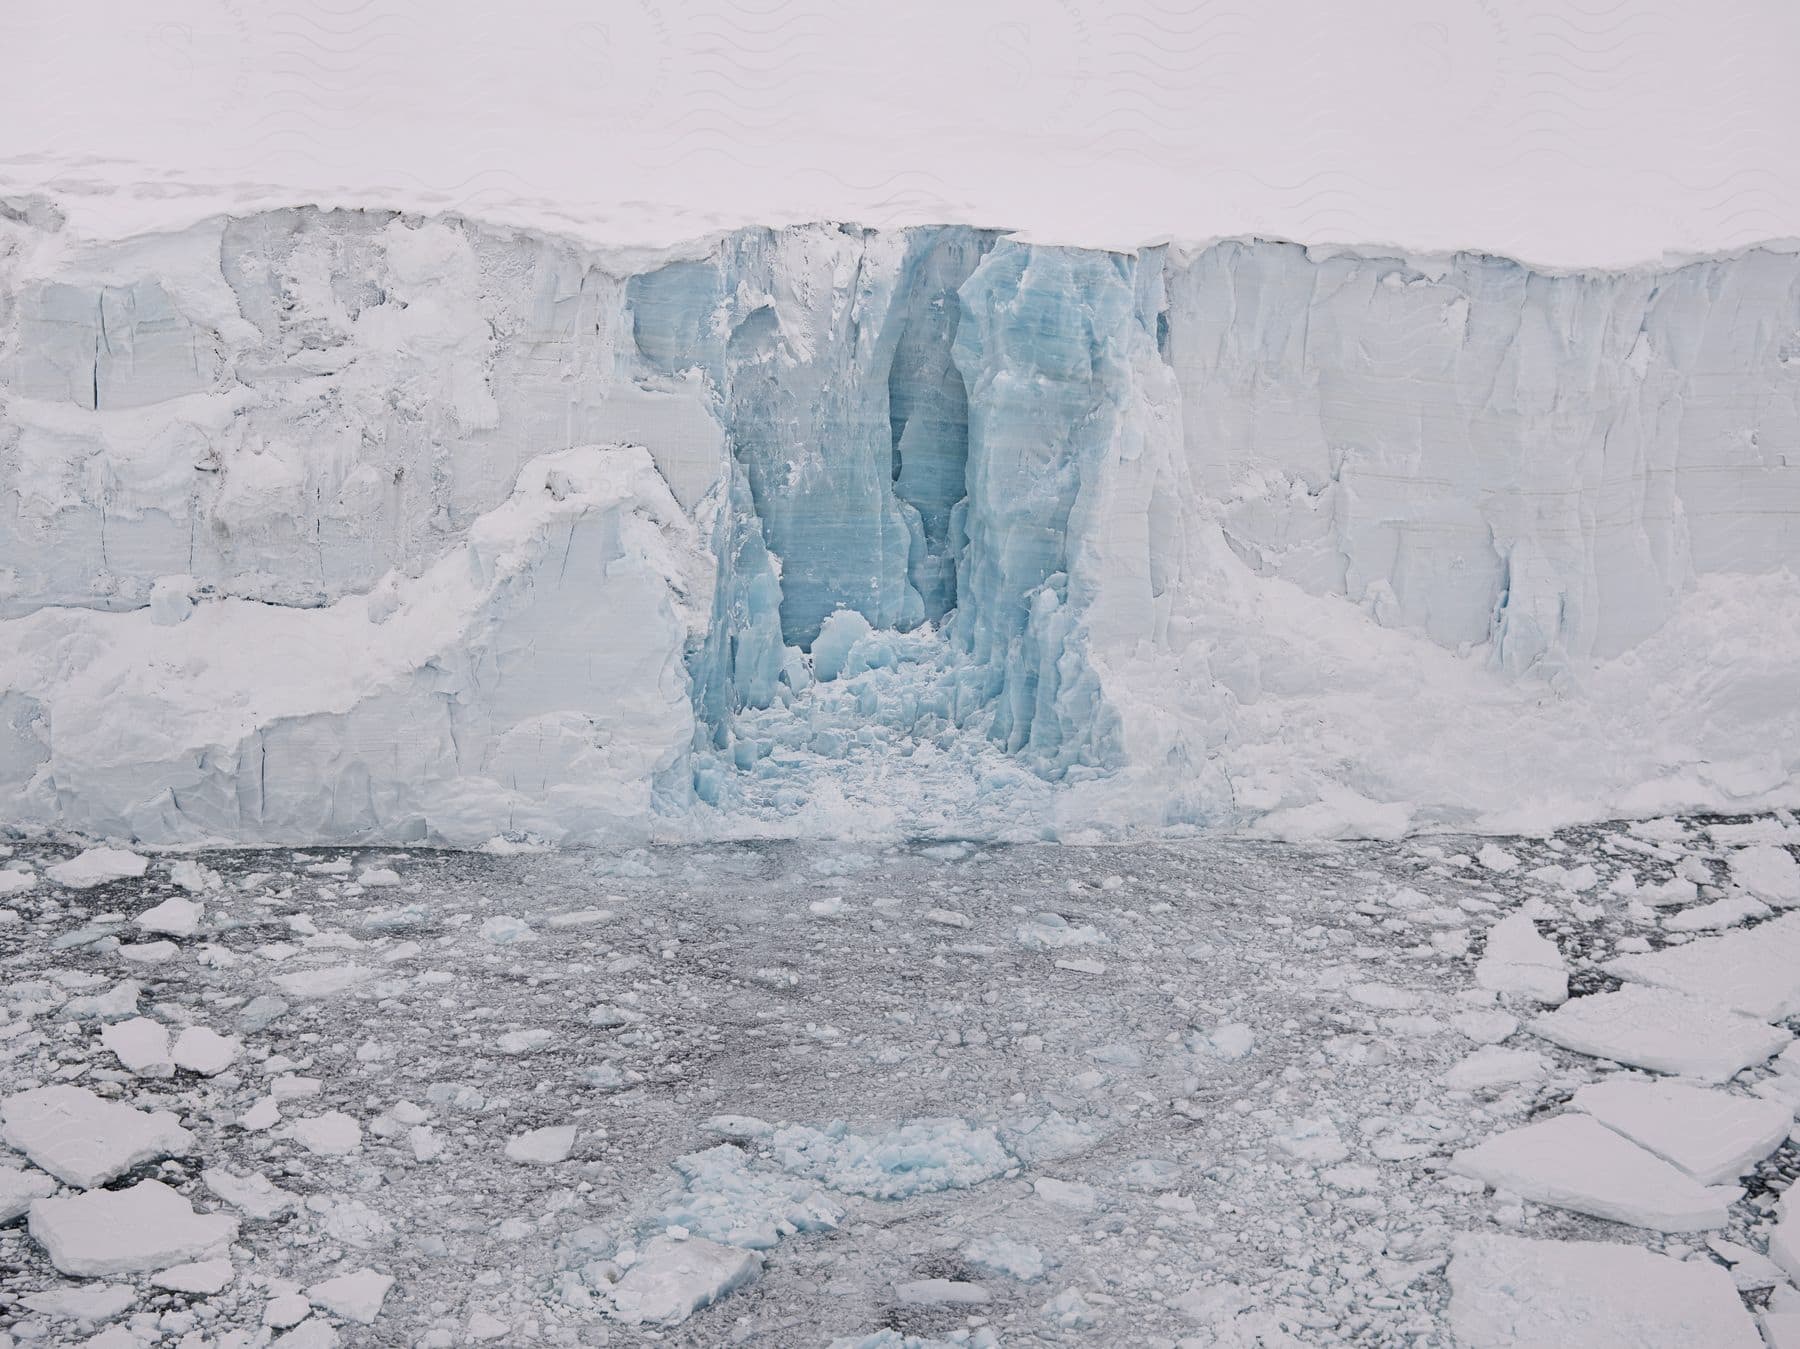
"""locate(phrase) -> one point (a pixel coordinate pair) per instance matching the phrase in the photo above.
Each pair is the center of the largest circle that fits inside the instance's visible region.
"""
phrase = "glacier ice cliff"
(350, 525)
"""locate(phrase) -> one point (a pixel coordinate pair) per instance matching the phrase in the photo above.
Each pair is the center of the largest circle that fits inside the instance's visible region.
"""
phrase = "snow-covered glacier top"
(1565, 135)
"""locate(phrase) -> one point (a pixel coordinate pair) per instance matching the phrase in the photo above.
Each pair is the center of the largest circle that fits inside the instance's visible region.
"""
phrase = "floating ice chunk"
(1756, 972)
(1384, 997)
(1712, 1135)
(1069, 1194)
(1574, 1162)
(505, 930)
(919, 1157)
(1521, 960)
(286, 1309)
(206, 1052)
(1232, 1040)
(1512, 1293)
(941, 1293)
(1053, 932)
(85, 1141)
(194, 877)
(1784, 1237)
(1003, 1255)
(1312, 1140)
(202, 1276)
(253, 1194)
(1770, 873)
(1495, 858)
(14, 882)
(1491, 1068)
(18, 1188)
(104, 1232)
(97, 866)
(1672, 893)
(374, 878)
(542, 1147)
(578, 918)
(672, 1280)
(141, 1045)
(1045, 1138)
(356, 1296)
(85, 1302)
(1486, 1027)
(333, 1134)
(1720, 914)
(313, 1333)
(1663, 1031)
(265, 1114)
(323, 982)
(150, 952)
(947, 918)
(525, 1041)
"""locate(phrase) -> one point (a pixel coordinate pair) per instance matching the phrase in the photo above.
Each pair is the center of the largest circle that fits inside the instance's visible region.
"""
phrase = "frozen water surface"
(786, 1094)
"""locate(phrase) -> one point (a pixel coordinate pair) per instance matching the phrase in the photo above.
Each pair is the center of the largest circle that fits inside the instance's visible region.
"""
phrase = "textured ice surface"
(1513, 1293)
(347, 525)
(1664, 1031)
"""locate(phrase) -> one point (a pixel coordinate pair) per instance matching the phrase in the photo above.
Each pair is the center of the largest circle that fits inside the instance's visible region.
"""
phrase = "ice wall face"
(1481, 452)
(1078, 530)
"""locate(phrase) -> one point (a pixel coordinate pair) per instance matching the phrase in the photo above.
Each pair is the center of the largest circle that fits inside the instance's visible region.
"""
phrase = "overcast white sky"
(1605, 132)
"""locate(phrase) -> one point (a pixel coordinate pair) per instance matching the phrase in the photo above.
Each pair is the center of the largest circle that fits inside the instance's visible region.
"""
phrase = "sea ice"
(206, 1052)
(671, 1280)
(141, 1046)
(1768, 872)
(174, 917)
(542, 1147)
(105, 1232)
(333, 1134)
(97, 866)
(1756, 971)
(1514, 1293)
(1574, 1162)
(1712, 1135)
(356, 1296)
(1664, 1031)
(18, 1188)
(84, 1140)
(1519, 959)
(203, 1276)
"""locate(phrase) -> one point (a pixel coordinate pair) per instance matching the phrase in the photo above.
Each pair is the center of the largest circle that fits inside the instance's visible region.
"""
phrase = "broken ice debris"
(671, 1280)
(918, 1157)
(1513, 1293)
(1663, 1031)
(1492, 1068)
(85, 1141)
(146, 1227)
(1574, 1162)
(1710, 1134)
(1520, 960)
(97, 866)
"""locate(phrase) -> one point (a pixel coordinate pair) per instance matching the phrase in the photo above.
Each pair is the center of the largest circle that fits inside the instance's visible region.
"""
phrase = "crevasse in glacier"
(932, 528)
